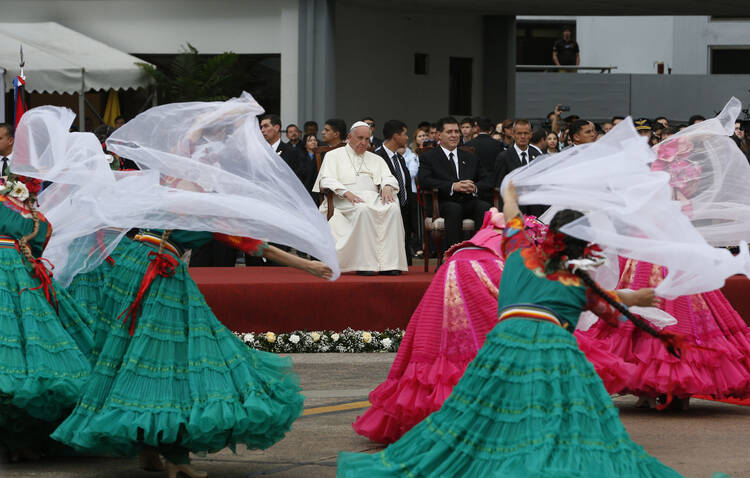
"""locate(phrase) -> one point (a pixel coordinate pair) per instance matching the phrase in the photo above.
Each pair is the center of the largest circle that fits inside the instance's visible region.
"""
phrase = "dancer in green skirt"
(44, 338)
(169, 376)
(87, 287)
(529, 404)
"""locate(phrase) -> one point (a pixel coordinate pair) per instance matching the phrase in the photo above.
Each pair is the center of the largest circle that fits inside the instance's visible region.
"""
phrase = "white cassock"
(369, 235)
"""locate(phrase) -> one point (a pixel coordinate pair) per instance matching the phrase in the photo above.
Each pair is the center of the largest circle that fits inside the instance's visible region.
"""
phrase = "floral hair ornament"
(33, 185)
(13, 187)
(592, 258)
(553, 243)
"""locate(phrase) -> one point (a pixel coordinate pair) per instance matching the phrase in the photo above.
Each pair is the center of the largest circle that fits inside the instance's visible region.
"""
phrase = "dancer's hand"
(510, 202)
(641, 297)
(318, 269)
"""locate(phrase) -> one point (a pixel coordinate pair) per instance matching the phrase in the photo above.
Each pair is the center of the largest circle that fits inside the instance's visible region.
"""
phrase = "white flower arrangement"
(15, 189)
(321, 341)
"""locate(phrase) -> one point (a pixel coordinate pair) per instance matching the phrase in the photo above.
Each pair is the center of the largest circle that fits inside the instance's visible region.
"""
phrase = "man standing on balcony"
(565, 51)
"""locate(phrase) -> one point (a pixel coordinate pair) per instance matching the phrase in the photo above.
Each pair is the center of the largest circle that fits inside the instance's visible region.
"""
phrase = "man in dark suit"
(457, 176)
(270, 126)
(519, 154)
(487, 150)
(294, 137)
(396, 138)
(374, 142)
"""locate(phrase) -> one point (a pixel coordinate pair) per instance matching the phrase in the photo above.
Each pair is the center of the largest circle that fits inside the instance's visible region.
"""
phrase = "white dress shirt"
(455, 159)
(519, 151)
(395, 162)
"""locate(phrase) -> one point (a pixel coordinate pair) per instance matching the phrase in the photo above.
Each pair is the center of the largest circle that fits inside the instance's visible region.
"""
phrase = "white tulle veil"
(206, 167)
(632, 207)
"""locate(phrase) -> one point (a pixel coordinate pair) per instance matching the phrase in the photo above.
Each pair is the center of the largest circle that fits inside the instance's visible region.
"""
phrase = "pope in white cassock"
(366, 222)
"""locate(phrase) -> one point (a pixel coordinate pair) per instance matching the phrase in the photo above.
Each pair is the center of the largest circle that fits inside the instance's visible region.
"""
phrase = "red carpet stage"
(258, 299)
(281, 299)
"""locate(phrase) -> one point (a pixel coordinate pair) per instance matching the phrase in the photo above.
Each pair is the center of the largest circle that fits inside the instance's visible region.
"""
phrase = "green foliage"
(191, 76)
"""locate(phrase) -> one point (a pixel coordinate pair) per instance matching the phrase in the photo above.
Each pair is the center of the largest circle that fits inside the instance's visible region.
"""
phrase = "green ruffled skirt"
(44, 354)
(87, 290)
(528, 405)
(182, 380)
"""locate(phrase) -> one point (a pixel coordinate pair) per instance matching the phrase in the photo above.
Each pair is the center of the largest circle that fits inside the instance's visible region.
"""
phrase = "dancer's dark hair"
(574, 249)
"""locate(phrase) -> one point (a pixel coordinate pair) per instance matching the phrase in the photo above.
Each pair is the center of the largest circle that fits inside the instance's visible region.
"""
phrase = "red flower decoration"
(553, 243)
(33, 185)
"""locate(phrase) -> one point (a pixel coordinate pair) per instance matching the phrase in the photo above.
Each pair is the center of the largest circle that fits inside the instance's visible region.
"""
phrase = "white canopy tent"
(61, 60)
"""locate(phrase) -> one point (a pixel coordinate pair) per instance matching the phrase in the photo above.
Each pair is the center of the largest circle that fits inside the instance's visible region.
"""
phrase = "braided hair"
(574, 249)
(23, 242)
(164, 238)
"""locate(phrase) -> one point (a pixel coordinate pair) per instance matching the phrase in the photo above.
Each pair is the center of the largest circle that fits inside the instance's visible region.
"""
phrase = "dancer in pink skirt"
(717, 364)
(717, 361)
(444, 334)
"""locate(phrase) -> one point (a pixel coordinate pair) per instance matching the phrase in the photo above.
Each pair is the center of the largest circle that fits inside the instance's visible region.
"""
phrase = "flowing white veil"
(630, 209)
(227, 180)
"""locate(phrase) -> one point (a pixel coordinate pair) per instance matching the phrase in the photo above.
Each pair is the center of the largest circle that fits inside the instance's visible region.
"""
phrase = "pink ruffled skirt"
(443, 336)
(717, 364)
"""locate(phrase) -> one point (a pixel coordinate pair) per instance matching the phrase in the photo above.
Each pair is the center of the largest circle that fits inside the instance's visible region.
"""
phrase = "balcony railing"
(556, 68)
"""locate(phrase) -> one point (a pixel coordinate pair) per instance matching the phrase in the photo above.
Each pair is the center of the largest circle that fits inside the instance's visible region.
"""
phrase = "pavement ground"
(709, 437)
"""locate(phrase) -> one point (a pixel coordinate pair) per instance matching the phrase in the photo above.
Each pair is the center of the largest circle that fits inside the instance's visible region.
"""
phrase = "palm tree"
(191, 76)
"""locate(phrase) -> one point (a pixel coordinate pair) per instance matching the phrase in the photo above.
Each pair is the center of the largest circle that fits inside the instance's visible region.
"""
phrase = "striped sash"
(8, 242)
(532, 312)
(155, 240)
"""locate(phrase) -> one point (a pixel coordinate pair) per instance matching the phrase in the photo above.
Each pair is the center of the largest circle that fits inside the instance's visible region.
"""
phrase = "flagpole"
(19, 82)
(82, 104)
(22, 63)
(2, 96)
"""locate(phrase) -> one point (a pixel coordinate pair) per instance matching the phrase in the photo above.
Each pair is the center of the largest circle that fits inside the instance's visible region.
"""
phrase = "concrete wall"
(602, 96)
(146, 26)
(633, 44)
(375, 62)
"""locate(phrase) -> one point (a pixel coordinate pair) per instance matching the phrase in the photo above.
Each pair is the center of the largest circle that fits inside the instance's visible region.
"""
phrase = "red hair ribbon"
(45, 279)
(161, 265)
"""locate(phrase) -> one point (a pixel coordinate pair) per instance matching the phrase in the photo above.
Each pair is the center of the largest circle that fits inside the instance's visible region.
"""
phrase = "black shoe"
(365, 273)
(390, 273)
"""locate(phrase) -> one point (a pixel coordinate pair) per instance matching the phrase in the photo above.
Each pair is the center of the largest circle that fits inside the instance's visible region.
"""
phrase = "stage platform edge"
(280, 299)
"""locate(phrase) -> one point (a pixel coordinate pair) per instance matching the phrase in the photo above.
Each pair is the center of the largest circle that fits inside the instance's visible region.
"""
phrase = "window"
(460, 86)
(420, 63)
(730, 60)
